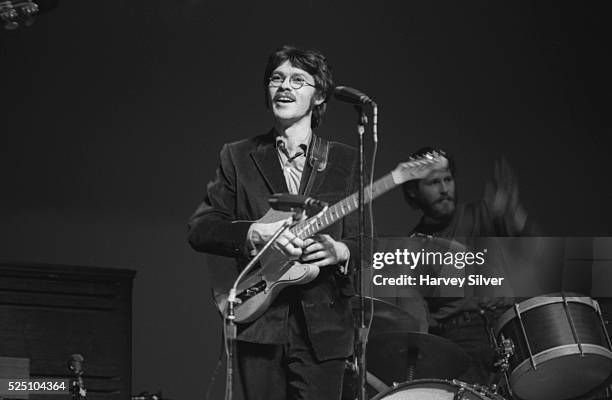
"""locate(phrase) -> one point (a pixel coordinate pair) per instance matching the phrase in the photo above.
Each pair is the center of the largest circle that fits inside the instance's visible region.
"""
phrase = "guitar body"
(276, 271)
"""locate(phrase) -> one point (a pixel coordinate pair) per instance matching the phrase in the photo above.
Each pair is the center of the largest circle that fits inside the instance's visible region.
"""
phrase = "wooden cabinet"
(49, 312)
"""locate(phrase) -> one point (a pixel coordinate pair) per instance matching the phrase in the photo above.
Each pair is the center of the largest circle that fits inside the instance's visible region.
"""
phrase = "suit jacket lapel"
(266, 160)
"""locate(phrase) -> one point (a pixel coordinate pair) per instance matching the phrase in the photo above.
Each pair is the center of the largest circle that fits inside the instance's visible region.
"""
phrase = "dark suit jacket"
(248, 174)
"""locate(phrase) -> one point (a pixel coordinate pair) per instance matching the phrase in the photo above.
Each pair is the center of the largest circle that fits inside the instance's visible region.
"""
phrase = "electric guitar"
(277, 271)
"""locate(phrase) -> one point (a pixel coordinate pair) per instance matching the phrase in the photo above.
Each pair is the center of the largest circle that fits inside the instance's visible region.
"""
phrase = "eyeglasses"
(296, 81)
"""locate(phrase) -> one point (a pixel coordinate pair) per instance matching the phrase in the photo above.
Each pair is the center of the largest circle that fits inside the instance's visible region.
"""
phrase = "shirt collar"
(282, 149)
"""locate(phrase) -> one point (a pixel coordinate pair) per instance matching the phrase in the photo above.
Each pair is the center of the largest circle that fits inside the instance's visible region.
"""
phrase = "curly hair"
(311, 61)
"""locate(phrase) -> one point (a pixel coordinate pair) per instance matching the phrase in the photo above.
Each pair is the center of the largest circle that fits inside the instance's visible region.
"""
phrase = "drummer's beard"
(442, 208)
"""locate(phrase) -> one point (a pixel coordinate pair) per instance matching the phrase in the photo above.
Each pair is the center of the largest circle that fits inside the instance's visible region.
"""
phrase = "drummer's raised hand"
(502, 197)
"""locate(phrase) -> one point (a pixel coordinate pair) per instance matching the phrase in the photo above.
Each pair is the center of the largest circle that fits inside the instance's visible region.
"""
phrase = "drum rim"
(553, 353)
(451, 382)
(540, 301)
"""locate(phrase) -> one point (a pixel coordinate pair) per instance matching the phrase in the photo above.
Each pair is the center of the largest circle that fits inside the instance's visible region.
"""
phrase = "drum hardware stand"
(459, 394)
(412, 357)
(232, 300)
(484, 390)
(503, 351)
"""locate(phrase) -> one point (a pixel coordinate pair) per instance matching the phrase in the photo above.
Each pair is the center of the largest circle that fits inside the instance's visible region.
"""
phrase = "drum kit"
(553, 347)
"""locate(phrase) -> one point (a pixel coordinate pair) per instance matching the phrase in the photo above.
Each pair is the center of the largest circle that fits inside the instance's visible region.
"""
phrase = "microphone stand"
(232, 300)
(361, 333)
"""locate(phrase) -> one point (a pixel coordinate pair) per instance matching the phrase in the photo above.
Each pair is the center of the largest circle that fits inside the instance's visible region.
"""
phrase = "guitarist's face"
(436, 194)
(292, 94)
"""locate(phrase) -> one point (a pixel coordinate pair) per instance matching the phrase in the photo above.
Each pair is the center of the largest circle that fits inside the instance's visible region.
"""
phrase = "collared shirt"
(292, 164)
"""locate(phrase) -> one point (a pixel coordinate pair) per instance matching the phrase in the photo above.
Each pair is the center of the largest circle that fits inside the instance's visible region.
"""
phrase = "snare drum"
(561, 347)
(437, 389)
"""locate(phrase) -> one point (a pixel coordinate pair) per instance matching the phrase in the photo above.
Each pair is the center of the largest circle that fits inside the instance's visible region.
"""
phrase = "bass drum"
(561, 347)
(437, 389)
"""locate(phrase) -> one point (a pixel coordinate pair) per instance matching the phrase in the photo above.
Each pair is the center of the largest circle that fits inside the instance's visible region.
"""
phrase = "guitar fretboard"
(342, 208)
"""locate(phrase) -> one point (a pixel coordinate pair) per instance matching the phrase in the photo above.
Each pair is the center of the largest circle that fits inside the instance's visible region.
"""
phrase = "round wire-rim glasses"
(296, 81)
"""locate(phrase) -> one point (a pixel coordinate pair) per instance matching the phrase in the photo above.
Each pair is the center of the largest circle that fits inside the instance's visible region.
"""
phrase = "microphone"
(351, 96)
(288, 202)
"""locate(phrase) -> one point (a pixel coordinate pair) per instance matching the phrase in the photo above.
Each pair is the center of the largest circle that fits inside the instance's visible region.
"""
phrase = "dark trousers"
(288, 371)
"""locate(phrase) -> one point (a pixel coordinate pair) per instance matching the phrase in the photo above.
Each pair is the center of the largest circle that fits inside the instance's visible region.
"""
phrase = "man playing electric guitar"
(296, 326)
(296, 349)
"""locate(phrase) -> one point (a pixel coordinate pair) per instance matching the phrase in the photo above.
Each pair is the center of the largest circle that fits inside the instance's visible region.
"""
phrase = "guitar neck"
(341, 209)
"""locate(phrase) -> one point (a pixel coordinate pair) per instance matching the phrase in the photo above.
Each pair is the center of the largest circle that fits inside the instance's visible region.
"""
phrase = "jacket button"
(332, 304)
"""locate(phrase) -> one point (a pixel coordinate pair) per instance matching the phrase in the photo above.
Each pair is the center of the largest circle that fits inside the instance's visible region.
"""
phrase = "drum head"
(434, 389)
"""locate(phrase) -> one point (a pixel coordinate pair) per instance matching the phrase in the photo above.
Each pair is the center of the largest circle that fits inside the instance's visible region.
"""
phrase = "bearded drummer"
(465, 321)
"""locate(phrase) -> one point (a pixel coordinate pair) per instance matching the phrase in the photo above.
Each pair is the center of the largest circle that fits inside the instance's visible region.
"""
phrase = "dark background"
(113, 114)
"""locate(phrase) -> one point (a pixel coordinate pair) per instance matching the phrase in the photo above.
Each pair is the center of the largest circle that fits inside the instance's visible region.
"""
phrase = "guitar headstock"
(419, 167)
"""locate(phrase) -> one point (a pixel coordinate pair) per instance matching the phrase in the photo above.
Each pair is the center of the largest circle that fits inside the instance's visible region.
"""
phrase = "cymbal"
(387, 316)
(394, 355)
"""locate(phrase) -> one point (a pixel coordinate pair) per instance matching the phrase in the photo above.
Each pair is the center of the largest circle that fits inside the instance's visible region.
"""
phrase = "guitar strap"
(317, 160)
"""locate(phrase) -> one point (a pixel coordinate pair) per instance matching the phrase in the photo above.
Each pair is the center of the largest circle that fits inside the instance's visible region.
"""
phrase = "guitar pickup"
(253, 290)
